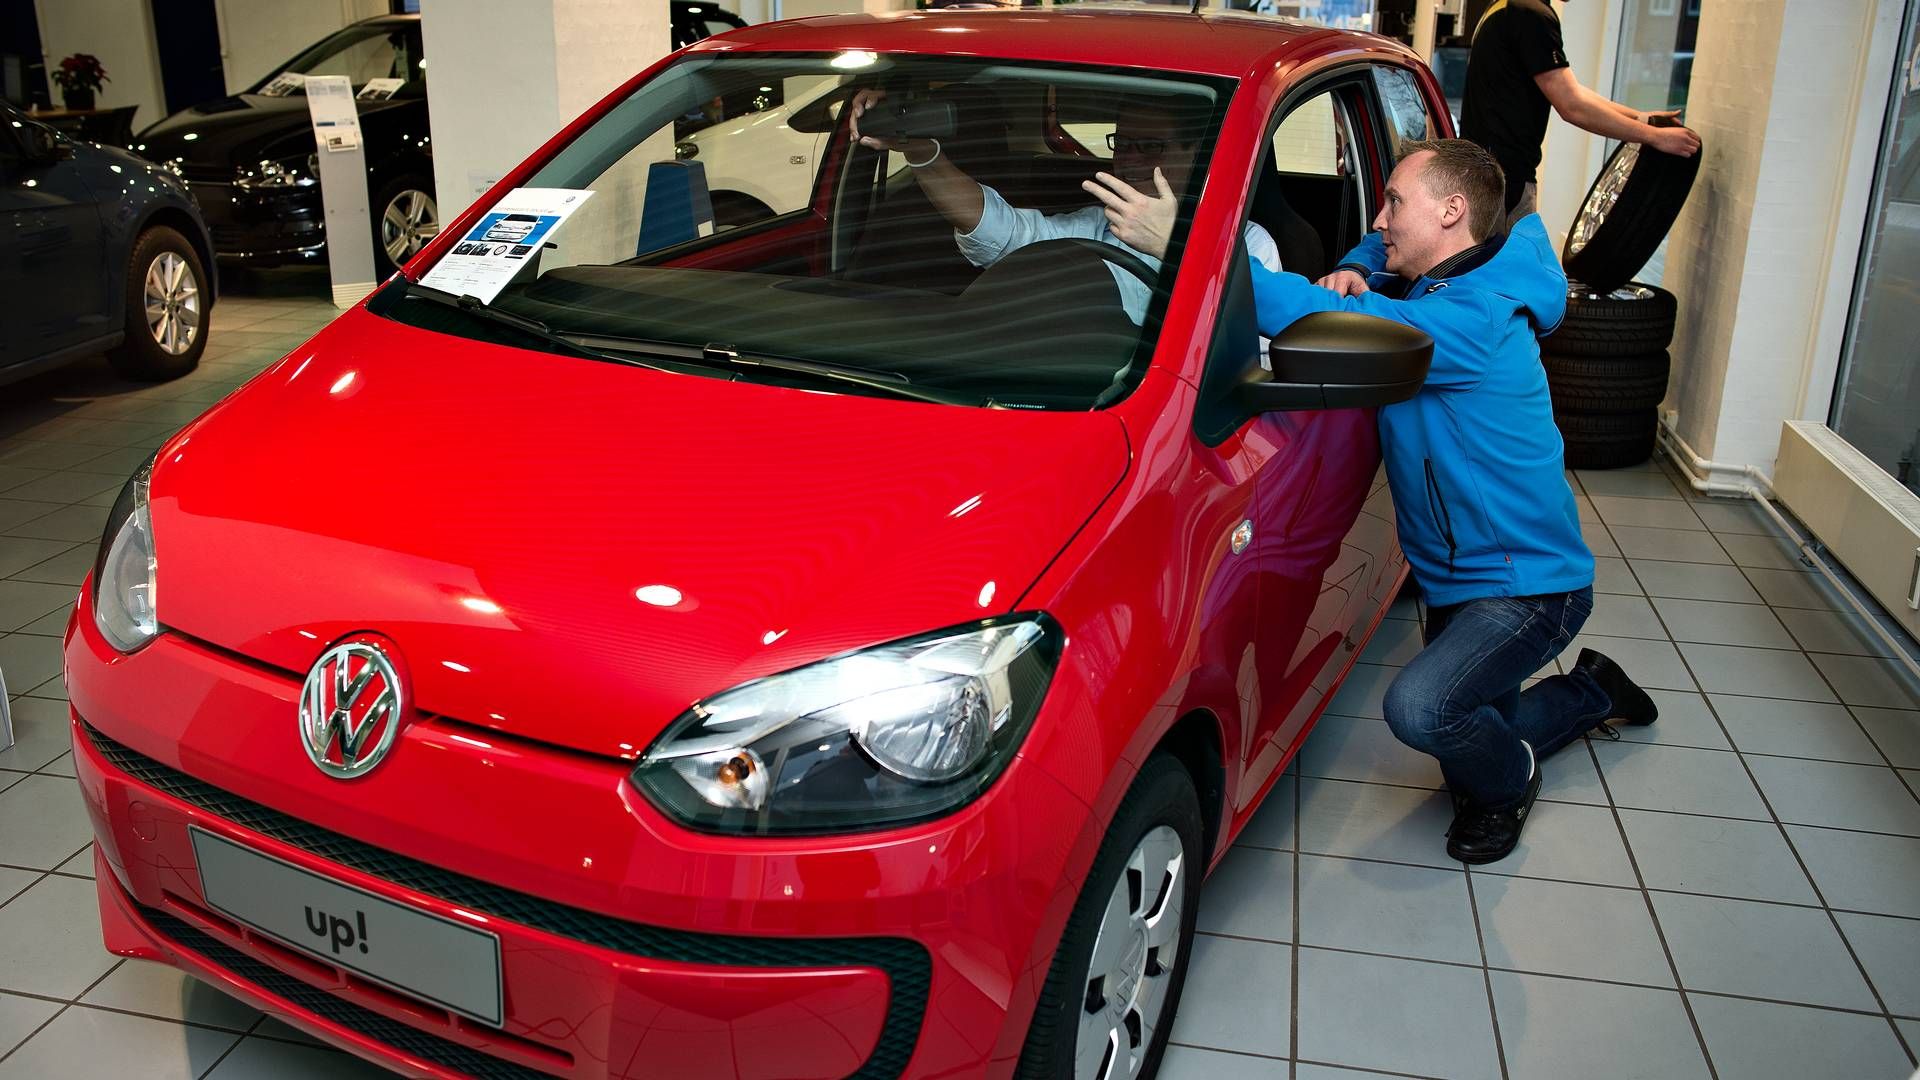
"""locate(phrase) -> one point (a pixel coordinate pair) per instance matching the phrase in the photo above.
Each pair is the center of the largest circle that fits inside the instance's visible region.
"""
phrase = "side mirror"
(1338, 360)
(44, 147)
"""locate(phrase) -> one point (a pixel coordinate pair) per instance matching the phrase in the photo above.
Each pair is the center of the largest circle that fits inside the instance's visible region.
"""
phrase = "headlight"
(123, 575)
(284, 173)
(890, 735)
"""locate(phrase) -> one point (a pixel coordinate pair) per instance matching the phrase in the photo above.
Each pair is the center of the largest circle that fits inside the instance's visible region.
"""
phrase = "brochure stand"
(343, 186)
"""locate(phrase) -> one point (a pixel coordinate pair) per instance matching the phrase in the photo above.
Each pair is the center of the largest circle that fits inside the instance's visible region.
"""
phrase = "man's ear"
(1454, 211)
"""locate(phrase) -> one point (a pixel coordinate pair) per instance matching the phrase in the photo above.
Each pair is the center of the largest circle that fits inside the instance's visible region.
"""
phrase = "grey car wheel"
(1134, 954)
(407, 222)
(172, 302)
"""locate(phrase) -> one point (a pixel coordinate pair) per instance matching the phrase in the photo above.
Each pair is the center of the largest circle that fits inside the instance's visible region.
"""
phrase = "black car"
(250, 158)
(99, 251)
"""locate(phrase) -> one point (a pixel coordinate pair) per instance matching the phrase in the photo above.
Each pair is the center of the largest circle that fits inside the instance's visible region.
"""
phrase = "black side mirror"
(1339, 360)
(44, 147)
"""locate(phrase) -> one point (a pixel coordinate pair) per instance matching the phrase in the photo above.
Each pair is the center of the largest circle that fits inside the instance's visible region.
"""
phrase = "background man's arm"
(1588, 111)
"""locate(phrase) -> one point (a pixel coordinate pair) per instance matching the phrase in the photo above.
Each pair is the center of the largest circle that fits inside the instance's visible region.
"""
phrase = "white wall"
(120, 33)
(1788, 96)
(568, 54)
(257, 36)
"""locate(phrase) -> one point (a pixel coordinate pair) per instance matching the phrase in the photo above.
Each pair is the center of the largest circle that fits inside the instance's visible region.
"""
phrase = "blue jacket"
(1474, 459)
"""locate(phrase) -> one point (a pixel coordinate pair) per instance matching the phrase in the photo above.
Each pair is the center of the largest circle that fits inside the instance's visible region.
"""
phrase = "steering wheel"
(1118, 256)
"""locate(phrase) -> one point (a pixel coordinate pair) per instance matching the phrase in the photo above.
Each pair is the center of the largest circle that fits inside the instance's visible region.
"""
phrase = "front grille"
(905, 961)
(392, 1033)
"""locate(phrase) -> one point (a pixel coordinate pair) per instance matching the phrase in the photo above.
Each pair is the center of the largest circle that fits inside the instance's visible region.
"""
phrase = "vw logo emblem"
(350, 709)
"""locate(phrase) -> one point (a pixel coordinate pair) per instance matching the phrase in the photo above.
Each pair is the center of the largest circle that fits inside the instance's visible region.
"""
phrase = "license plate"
(403, 948)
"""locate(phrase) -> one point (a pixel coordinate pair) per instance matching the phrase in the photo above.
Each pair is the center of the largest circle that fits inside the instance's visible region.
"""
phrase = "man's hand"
(1678, 141)
(1344, 282)
(920, 151)
(1672, 116)
(1142, 222)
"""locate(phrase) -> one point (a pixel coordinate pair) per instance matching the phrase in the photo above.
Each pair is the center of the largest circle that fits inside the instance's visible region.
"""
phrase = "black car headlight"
(886, 736)
(301, 170)
(125, 569)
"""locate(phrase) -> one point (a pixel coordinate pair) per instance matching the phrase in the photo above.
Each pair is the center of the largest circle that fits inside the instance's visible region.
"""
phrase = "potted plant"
(79, 77)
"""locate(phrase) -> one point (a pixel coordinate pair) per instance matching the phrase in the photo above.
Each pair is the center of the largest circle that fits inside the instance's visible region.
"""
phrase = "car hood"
(574, 551)
(238, 130)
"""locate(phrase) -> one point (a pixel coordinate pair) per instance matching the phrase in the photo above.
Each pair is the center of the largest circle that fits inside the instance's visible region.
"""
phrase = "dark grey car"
(100, 251)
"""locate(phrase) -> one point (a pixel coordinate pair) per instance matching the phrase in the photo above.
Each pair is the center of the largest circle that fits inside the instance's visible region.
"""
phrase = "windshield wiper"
(727, 358)
(630, 351)
(472, 305)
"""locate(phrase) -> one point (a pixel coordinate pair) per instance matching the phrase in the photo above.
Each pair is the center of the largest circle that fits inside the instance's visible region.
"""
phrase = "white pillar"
(508, 74)
(1788, 96)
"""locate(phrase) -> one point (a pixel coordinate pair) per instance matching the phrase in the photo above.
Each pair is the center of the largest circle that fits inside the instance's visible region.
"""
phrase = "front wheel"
(167, 303)
(1110, 996)
(405, 218)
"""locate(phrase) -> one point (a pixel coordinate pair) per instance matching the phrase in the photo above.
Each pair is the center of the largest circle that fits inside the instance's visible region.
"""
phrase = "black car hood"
(238, 130)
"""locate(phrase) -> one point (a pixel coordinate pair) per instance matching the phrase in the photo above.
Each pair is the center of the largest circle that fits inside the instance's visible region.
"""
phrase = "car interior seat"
(1303, 251)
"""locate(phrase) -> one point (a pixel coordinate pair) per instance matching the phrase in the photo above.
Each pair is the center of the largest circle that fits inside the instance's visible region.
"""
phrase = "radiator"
(1867, 520)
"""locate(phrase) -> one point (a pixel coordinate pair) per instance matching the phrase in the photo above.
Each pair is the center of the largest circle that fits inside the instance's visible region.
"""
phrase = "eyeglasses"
(1148, 147)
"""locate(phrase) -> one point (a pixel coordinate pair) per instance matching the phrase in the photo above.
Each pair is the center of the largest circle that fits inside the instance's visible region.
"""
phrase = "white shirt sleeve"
(1260, 245)
(1004, 228)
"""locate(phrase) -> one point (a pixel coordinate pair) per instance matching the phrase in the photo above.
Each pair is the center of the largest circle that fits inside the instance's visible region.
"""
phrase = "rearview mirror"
(1339, 360)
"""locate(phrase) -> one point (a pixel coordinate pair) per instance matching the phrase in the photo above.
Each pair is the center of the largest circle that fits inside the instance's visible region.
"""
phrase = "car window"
(1309, 140)
(872, 278)
(362, 53)
(1407, 116)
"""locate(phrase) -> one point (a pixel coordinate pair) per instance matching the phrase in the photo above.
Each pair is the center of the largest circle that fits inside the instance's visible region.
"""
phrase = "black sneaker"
(1483, 835)
(1631, 705)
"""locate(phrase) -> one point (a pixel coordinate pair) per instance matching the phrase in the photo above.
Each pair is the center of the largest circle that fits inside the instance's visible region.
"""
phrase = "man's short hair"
(1467, 169)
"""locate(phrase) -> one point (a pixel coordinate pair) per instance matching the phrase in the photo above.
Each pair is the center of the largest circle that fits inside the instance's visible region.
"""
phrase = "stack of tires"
(1607, 362)
(1607, 366)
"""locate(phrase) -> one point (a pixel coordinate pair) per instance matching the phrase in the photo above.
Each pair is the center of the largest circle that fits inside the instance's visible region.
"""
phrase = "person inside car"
(1136, 208)
(1482, 504)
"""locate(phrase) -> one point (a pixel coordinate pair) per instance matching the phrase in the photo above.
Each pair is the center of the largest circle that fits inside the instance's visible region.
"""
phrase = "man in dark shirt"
(1516, 71)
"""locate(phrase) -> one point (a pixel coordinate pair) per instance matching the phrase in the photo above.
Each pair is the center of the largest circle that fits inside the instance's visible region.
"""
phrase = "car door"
(1318, 546)
(51, 257)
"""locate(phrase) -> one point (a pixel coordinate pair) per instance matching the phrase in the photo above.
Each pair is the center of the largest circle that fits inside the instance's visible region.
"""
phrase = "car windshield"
(736, 228)
(361, 53)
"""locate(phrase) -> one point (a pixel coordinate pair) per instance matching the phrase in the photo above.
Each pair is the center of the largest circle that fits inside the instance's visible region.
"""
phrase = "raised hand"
(1142, 222)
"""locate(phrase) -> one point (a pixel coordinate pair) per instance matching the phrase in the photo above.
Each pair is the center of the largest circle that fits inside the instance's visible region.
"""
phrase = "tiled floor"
(1733, 892)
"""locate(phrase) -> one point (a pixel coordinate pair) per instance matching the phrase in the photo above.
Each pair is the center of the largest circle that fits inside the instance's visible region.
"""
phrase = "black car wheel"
(405, 218)
(1608, 440)
(1632, 320)
(1627, 212)
(1109, 999)
(1607, 383)
(167, 303)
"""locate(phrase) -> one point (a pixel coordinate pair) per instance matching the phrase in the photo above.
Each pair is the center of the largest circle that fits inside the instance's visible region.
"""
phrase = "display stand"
(343, 186)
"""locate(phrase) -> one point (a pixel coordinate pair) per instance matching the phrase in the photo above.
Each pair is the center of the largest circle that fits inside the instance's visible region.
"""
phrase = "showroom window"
(1653, 71)
(1877, 401)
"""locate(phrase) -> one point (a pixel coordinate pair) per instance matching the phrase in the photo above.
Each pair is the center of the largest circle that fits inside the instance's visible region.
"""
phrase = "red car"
(786, 650)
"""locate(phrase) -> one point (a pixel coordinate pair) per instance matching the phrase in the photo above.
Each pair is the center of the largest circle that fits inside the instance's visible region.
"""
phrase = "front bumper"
(674, 955)
(262, 228)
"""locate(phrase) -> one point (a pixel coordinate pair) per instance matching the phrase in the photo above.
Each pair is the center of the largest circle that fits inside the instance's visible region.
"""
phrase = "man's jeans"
(1460, 699)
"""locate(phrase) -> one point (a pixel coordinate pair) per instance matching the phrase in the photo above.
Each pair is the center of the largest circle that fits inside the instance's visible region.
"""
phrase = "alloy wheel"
(1605, 194)
(1128, 976)
(172, 296)
(409, 221)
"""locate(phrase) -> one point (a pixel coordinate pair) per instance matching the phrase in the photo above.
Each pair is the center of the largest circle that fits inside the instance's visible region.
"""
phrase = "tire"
(402, 222)
(1161, 810)
(1627, 212)
(1632, 320)
(166, 303)
(1606, 383)
(1608, 440)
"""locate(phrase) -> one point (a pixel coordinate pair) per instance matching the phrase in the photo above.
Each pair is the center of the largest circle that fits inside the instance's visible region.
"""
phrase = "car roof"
(1235, 44)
